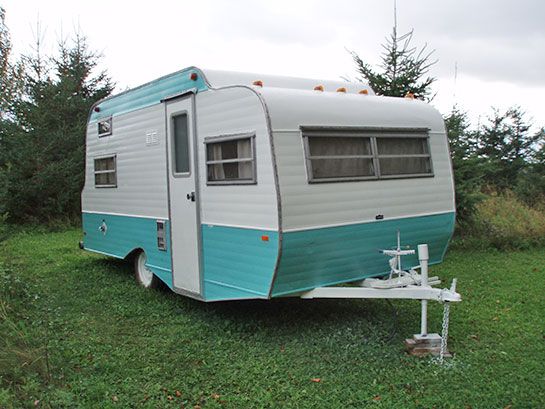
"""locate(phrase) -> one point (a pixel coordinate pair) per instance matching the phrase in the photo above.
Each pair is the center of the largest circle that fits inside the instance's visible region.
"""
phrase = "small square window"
(106, 172)
(105, 127)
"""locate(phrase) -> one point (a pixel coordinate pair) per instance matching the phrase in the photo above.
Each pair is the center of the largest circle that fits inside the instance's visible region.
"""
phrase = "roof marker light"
(97, 109)
(319, 88)
(409, 95)
(258, 83)
(193, 76)
(363, 92)
(341, 89)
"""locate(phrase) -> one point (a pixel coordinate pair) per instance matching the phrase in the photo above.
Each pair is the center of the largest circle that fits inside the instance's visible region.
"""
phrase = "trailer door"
(183, 195)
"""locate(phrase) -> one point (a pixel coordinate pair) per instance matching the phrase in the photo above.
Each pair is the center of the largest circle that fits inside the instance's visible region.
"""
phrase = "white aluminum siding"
(230, 111)
(307, 205)
(141, 169)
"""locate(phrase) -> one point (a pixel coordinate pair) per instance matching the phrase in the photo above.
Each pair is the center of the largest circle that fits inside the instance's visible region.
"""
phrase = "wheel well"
(133, 254)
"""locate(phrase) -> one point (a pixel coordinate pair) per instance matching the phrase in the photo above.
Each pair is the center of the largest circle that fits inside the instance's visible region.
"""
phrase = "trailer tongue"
(404, 284)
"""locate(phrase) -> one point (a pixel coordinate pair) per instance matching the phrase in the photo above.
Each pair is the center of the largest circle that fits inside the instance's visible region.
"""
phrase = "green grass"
(77, 332)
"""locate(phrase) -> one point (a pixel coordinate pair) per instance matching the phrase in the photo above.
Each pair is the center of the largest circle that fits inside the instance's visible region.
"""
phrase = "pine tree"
(46, 169)
(403, 69)
(11, 85)
(467, 166)
(530, 185)
(507, 144)
(5, 49)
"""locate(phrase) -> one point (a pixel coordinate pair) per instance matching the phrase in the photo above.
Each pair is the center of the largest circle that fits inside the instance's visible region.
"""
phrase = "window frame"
(323, 133)
(96, 172)
(414, 155)
(107, 133)
(173, 145)
(372, 133)
(227, 138)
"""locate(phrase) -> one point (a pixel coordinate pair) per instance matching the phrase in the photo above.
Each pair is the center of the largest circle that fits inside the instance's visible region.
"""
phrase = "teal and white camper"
(227, 186)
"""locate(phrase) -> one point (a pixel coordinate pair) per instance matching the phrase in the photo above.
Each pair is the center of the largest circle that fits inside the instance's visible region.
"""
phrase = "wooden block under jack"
(424, 345)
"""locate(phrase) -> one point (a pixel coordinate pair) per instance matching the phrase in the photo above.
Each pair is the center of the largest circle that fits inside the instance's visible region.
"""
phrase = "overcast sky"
(498, 46)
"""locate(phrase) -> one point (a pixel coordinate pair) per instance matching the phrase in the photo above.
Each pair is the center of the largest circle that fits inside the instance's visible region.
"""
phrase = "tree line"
(45, 102)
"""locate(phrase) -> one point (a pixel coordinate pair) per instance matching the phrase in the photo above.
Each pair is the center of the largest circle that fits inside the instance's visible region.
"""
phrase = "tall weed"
(21, 359)
(505, 222)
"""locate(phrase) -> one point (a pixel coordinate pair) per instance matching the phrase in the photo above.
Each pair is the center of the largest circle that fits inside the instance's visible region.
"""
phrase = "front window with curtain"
(230, 159)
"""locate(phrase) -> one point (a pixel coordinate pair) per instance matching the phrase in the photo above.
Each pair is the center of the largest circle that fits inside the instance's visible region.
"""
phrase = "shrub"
(505, 222)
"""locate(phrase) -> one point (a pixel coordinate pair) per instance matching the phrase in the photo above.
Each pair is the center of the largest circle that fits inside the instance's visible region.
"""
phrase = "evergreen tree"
(403, 69)
(46, 157)
(530, 185)
(10, 89)
(507, 144)
(466, 165)
(10, 74)
(5, 49)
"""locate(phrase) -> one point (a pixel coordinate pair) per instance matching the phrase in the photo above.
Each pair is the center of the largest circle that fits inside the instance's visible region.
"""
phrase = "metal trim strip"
(326, 226)
(125, 215)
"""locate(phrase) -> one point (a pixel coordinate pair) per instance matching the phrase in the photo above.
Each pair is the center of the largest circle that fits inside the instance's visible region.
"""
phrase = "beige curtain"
(218, 171)
(244, 150)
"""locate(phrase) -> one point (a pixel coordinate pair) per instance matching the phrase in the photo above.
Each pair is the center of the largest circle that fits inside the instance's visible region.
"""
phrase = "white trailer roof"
(292, 108)
(293, 102)
(217, 79)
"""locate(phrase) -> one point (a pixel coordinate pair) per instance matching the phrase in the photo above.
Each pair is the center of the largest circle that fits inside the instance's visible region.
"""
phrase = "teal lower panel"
(238, 263)
(327, 256)
(125, 234)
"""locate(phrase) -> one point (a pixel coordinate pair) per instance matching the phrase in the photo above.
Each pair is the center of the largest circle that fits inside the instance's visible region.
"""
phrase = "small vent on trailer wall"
(161, 235)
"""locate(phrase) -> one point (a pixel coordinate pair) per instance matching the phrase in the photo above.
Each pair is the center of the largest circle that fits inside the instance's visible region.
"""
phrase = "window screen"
(180, 138)
(230, 160)
(403, 156)
(344, 155)
(106, 172)
(340, 157)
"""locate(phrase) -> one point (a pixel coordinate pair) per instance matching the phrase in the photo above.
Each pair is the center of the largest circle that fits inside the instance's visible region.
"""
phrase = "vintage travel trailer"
(227, 186)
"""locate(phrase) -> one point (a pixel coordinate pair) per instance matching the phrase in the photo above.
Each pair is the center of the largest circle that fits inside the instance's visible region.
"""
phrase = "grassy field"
(76, 331)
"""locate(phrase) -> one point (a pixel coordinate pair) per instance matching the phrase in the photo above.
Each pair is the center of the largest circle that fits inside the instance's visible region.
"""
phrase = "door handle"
(191, 196)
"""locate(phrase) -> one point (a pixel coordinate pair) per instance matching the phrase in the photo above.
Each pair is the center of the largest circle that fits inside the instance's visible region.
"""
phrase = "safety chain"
(444, 333)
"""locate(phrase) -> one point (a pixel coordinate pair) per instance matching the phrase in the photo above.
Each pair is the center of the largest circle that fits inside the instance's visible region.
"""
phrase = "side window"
(403, 156)
(180, 139)
(336, 155)
(106, 171)
(230, 159)
(339, 158)
(105, 127)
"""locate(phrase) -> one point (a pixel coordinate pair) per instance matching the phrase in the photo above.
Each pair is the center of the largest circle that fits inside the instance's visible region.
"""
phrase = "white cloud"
(497, 44)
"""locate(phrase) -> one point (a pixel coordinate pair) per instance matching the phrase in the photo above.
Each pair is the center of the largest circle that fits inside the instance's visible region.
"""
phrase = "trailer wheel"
(144, 276)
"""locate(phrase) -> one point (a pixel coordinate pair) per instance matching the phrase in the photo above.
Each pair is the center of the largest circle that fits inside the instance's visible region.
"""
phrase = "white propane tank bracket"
(401, 284)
